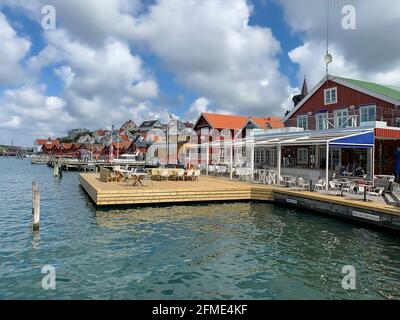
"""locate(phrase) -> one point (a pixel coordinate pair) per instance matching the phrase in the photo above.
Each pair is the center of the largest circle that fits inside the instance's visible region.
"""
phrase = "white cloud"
(370, 52)
(29, 111)
(66, 74)
(12, 50)
(197, 107)
(211, 48)
(101, 83)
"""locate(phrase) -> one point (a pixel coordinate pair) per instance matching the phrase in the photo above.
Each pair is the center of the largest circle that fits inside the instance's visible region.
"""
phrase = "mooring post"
(34, 188)
(35, 207)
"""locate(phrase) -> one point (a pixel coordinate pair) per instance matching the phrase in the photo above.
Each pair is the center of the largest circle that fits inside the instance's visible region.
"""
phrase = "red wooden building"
(336, 103)
(217, 127)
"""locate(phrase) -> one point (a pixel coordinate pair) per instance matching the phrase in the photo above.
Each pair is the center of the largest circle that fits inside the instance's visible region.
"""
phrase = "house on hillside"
(149, 125)
(86, 138)
(129, 126)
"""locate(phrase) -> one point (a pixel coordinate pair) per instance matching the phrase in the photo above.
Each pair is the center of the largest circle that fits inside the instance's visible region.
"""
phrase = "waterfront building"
(211, 127)
(39, 143)
(335, 107)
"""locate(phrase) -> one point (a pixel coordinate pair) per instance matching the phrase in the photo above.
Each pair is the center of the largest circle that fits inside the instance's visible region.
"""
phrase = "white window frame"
(301, 117)
(300, 153)
(318, 120)
(367, 108)
(345, 118)
(330, 101)
(397, 122)
(270, 156)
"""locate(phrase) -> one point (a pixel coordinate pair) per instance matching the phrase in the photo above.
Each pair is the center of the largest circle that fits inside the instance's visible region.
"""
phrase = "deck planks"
(204, 190)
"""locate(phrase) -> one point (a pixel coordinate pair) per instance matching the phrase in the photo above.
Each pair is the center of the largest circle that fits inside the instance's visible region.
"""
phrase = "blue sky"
(136, 59)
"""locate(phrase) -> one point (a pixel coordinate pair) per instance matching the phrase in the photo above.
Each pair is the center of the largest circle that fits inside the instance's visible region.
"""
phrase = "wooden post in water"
(35, 207)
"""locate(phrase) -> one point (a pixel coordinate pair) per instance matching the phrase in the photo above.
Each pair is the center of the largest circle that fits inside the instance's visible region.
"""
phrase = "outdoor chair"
(348, 187)
(155, 175)
(164, 174)
(222, 170)
(196, 175)
(320, 185)
(179, 175)
(302, 184)
(189, 175)
(292, 182)
(377, 191)
(333, 186)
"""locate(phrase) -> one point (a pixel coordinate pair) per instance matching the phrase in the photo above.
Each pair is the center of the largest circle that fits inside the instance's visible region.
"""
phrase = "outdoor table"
(341, 184)
(286, 180)
(136, 176)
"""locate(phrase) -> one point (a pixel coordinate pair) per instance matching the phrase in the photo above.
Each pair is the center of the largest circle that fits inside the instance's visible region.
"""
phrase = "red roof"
(268, 123)
(50, 145)
(67, 146)
(41, 142)
(124, 137)
(226, 121)
(100, 132)
(122, 145)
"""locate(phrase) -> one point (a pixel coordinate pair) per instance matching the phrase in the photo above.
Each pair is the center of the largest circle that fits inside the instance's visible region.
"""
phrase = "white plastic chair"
(320, 185)
(377, 192)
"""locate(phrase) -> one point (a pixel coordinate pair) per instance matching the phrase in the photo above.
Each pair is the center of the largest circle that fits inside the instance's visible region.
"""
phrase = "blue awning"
(360, 140)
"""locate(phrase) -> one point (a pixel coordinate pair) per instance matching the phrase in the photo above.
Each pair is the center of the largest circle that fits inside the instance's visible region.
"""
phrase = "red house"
(336, 103)
(224, 126)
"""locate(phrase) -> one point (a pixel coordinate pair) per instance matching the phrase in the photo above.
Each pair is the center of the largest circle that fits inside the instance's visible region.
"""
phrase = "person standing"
(397, 163)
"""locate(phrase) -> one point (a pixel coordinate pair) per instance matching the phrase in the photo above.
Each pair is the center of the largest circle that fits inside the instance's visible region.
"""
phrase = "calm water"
(216, 251)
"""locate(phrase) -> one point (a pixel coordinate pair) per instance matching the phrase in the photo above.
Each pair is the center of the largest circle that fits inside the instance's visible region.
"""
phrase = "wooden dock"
(209, 189)
(206, 189)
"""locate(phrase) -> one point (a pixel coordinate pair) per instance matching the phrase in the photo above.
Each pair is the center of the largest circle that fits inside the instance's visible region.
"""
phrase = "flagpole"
(168, 142)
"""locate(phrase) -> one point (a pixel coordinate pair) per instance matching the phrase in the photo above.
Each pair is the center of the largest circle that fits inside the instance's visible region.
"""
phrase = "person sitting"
(359, 172)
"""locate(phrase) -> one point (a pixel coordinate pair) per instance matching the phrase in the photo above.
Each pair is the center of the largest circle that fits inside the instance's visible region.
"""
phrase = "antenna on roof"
(328, 57)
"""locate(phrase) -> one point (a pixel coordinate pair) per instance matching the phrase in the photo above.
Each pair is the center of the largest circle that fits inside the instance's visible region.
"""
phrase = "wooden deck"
(209, 189)
(206, 189)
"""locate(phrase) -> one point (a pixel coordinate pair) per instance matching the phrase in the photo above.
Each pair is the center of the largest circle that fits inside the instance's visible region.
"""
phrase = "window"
(244, 152)
(270, 156)
(320, 120)
(397, 122)
(330, 96)
(334, 158)
(302, 122)
(222, 154)
(367, 113)
(341, 118)
(259, 156)
(302, 156)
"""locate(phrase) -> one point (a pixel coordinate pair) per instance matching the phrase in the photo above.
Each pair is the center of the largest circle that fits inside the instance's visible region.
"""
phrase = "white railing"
(349, 121)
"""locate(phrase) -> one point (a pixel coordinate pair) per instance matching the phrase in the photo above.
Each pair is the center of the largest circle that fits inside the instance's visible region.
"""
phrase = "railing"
(346, 122)
(353, 119)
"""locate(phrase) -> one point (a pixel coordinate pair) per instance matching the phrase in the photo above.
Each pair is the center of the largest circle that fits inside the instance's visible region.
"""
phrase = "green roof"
(386, 90)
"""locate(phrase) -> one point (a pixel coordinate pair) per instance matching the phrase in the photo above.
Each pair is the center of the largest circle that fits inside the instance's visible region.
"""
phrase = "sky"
(112, 60)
